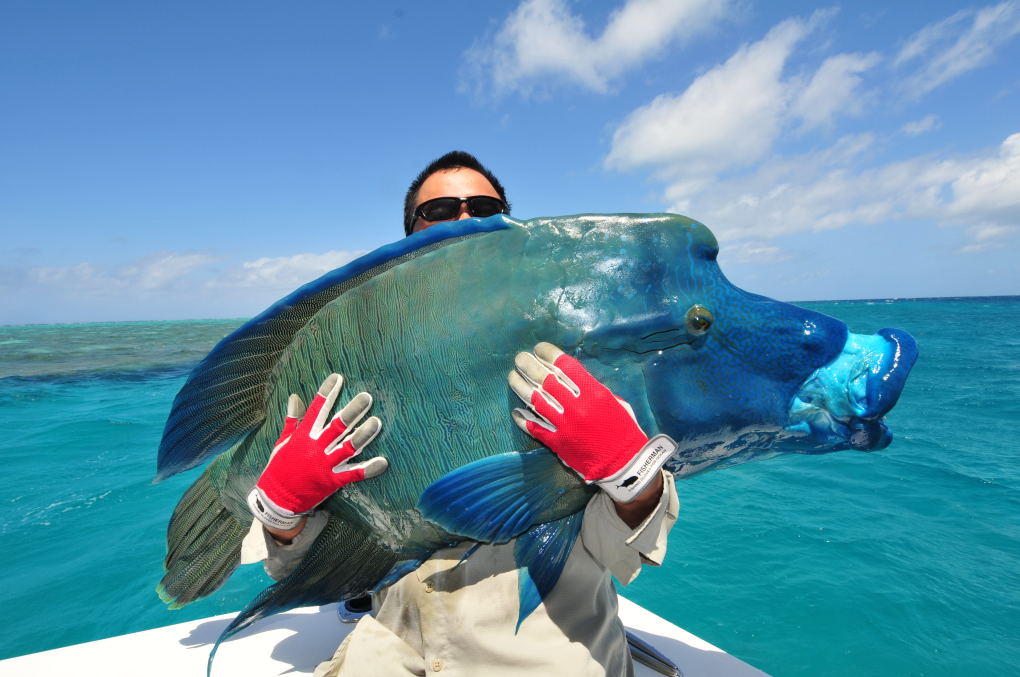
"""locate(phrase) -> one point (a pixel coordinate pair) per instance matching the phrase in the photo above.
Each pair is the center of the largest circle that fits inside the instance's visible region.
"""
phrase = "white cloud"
(158, 273)
(926, 38)
(167, 284)
(80, 273)
(989, 190)
(829, 190)
(925, 124)
(834, 88)
(986, 237)
(152, 273)
(944, 50)
(285, 271)
(186, 275)
(543, 41)
(728, 117)
(752, 252)
(808, 192)
(714, 144)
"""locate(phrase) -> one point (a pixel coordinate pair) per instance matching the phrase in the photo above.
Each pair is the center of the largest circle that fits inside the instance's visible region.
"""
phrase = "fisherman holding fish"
(458, 613)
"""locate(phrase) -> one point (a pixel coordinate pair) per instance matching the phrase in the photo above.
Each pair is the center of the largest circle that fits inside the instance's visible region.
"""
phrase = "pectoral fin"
(498, 497)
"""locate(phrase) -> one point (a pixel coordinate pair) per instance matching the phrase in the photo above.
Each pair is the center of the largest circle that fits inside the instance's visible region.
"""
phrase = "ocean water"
(900, 562)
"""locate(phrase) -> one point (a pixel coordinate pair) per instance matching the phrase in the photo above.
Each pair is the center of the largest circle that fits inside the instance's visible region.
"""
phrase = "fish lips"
(842, 404)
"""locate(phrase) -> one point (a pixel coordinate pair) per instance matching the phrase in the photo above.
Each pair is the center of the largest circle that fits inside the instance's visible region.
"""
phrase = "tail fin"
(203, 545)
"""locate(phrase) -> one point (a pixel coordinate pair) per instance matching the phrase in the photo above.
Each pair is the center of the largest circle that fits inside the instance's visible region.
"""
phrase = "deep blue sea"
(900, 562)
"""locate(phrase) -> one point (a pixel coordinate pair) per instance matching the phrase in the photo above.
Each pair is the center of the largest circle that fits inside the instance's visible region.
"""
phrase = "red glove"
(585, 424)
(309, 461)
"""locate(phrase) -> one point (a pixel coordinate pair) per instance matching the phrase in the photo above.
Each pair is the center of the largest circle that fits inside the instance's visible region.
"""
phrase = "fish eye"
(698, 320)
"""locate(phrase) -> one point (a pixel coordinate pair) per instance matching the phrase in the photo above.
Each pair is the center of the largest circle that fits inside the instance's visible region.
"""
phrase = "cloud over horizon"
(721, 146)
(284, 271)
(830, 189)
(184, 284)
(154, 273)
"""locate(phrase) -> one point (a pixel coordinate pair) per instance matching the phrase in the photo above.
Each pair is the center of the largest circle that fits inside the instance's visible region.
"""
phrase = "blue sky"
(193, 160)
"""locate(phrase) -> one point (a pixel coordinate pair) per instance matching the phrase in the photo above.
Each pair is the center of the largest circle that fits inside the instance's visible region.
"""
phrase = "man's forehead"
(455, 182)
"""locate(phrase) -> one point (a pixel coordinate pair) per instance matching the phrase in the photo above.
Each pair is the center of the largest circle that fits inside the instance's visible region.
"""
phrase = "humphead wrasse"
(430, 326)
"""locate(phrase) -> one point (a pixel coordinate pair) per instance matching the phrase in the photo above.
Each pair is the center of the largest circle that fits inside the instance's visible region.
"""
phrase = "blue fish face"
(841, 405)
(732, 376)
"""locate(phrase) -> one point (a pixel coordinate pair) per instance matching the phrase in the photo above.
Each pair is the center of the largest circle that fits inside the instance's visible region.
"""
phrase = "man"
(456, 174)
(458, 615)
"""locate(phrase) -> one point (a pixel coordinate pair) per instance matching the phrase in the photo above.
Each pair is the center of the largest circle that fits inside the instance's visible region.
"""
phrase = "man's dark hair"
(455, 159)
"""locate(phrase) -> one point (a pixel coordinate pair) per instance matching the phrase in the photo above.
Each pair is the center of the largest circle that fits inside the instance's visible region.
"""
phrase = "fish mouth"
(842, 404)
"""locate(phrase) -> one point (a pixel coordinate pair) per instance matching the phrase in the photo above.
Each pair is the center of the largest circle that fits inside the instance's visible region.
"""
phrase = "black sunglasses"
(447, 208)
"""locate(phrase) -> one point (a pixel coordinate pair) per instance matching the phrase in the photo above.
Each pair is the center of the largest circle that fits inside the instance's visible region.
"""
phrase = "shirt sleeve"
(280, 560)
(621, 549)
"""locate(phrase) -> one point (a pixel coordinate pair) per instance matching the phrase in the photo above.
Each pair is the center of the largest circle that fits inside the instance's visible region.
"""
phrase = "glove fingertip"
(331, 383)
(521, 386)
(375, 467)
(295, 406)
(519, 419)
(548, 352)
(530, 369)
(365, 433)
(356, 408)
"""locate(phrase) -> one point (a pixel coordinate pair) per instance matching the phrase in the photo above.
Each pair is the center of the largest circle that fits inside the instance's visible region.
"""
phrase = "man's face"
(459, 182)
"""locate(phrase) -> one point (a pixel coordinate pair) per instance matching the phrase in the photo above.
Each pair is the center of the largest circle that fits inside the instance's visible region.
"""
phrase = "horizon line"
(886, 299)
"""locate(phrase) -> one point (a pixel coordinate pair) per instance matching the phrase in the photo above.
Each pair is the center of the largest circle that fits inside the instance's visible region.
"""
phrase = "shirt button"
(429, 588)
(437, 665)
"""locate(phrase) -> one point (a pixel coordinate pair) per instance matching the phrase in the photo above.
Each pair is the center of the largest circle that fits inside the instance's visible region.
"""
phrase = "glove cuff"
(269, 513)
(633, 478)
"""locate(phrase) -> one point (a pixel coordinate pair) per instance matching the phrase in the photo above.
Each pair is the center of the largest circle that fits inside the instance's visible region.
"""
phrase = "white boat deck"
(293, 643)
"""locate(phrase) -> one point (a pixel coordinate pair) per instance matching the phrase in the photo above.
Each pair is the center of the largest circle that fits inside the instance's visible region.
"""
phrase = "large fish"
(430, 325)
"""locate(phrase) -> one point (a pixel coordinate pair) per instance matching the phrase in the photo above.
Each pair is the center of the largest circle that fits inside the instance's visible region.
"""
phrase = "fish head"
(732, 376)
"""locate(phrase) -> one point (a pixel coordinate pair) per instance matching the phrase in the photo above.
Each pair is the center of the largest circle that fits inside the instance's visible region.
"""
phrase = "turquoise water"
(901, 562)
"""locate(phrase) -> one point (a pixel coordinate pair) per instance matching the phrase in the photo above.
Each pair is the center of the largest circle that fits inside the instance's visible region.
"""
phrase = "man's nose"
(463, 213)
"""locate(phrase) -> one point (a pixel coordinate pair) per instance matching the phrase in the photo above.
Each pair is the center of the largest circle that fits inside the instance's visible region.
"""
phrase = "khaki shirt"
(458, 617)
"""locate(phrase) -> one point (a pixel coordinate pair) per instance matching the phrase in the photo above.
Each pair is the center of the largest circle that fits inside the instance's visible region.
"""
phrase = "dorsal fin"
(224, 397)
